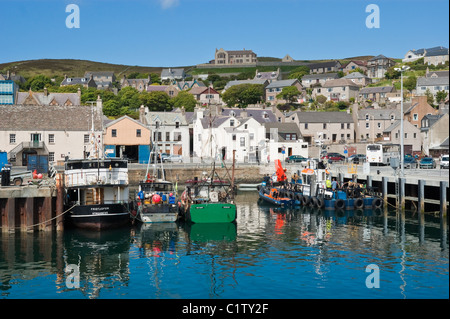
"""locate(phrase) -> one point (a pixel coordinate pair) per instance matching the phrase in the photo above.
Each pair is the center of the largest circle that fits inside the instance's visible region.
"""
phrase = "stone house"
(378, 94)
(324, 67)
(312, 80)
(223, 57)
(353, 65)
(436, 57)
(377, 66)
(54, 130)
(435, 132)
(371, 123)
(85, 82)
(170, 130)
(324, 127)
(338, 90)
(276, 87)
(412, 140)
(269, 76)
(418, 109)
(126, 137)
(283, 140)
(103, 79)
(172, 74)
(433, 84)
(358, 78)
(139, 84)
(171, 89)
(206, 95)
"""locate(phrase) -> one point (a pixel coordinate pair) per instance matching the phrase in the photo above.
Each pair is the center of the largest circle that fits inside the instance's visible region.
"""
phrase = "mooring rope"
(46, 221)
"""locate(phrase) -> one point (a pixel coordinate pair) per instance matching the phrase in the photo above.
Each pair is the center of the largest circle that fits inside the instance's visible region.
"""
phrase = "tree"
(410, 83)
(289, 93)
(129, 97)
(185, 99)
(392, 74)
(441, 96)
(321, 99)
(155, 101)
(299, 72)
(38, 82)
(430, 97)
(243, 94)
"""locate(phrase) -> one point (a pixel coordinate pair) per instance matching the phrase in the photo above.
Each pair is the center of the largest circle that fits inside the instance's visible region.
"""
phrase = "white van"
(444, 161)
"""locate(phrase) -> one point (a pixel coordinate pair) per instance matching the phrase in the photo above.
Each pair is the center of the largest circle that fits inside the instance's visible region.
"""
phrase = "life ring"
(339, 204)
(359, 203)
(377, 203)
(305, 200)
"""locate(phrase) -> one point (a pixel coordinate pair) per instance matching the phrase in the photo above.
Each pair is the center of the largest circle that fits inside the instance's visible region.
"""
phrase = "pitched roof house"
(338, 90)
(276, 87)
(171, 74)
(378, 65)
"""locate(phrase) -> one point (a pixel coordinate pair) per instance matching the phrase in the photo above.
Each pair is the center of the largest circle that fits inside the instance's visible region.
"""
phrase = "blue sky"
(187, 32)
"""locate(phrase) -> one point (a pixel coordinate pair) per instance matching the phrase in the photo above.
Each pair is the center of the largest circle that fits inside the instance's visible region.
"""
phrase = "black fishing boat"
(97, 193)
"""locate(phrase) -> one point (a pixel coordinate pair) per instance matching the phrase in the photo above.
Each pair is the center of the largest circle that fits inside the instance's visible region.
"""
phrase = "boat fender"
(359, 203)
(377, 203)
(305, 200)
(298, 197)
(291, 195)
(315, 202)
(321, 202)
(339, 204)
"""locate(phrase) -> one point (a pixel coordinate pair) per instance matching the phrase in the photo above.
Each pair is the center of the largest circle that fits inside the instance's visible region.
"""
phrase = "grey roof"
(260, 115)
(424, 81)
(323, 117)
(99, 73)
(379, 57)
(432, 119)
(237, 82)
(215, 121)
(51, 118)
(166, 118)
(438, 74)
(378, 114)
(376, 89)
(355, 75)
(42, 99)
(173, 73)
(283, 128)
(267, 75)
(320, 76)
(392, 126)
(437, 51)
(282, 83)
(76, 81)
(340, 82)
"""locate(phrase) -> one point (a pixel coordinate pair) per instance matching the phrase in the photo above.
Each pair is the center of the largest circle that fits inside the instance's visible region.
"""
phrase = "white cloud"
(165, 4)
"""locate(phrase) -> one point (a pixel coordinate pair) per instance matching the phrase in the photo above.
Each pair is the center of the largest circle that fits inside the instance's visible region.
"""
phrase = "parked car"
(334, 157)
(295, 159)
(357, 158)
(444, 161)
(409, 162)
(427, 162)
(152, 158)
(173, 158)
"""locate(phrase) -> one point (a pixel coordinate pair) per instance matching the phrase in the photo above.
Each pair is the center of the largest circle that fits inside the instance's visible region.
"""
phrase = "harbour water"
(268, 254)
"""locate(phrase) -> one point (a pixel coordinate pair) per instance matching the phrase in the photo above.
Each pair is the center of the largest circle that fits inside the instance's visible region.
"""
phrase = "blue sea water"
(268, 254)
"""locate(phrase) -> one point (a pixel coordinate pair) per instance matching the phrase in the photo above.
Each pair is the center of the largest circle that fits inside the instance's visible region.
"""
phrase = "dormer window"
(392, 117)
(367, 117)
(265, 115)
(232, 113)
(69, 80)
(231, 122)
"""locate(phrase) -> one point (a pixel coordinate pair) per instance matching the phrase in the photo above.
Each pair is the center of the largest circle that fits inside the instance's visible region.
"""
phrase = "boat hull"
(211, 213)
(165, 213)
(99, 216)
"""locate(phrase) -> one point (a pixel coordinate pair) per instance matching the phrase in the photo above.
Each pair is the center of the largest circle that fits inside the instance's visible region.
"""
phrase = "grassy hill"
(72, 68)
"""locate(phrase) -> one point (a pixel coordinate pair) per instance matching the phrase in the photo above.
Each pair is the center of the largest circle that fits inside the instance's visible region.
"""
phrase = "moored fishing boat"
(97, 193)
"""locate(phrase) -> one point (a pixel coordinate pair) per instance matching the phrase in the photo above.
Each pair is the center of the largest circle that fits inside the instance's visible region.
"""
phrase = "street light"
(402, 151)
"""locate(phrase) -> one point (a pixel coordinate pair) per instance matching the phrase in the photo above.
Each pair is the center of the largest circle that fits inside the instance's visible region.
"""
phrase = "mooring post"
(402, 182)
(421, 196)
(59, 202)
(443, 213)
(8, 219)
(384, 189)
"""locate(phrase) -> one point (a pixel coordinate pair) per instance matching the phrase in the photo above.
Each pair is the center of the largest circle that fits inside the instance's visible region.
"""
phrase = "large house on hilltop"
(223, 57)
(324, 67)
(435, 55)
(377, 66)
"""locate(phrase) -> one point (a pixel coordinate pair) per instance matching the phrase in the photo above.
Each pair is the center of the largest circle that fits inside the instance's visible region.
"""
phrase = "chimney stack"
(45, 92)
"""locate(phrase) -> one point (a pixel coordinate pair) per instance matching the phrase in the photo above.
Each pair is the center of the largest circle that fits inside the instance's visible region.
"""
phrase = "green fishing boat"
(208, 202)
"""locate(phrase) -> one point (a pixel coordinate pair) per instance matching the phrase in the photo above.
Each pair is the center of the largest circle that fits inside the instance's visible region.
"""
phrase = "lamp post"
(402, 134)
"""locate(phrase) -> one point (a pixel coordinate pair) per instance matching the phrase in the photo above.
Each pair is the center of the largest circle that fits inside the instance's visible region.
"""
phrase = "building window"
(234, 137)
(324, 126)
(177, 124)
(138, 132)
(12, 138)
(379, 125)
(231, 122)
(86, 138)
(113, 133)
(306, 126)
(348, 126)
(252, 136)
(51, 156)
(342, 126)
(415, 117)
(367, 124)
(242, 141)
(51, 138)
(177, 136)
(168, 136)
